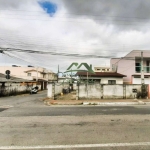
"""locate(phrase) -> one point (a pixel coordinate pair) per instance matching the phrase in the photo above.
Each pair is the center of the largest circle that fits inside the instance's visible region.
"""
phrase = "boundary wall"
(100, 91)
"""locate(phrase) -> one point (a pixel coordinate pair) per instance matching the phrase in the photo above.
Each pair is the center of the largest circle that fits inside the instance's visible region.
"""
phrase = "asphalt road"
(74, 111)
(30, 123)
(32, 105)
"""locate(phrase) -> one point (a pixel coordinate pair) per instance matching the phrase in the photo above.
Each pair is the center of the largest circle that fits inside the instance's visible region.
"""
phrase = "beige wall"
(35, 72)
(16, 71)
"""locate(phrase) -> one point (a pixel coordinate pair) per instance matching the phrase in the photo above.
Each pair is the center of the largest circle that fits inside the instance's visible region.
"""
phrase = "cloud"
(11, 4)
(98, 27)
(121, 13)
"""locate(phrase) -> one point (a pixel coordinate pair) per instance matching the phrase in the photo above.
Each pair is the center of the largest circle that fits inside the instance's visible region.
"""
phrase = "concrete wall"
(49, 91)
(99, 91)
(94, 91)
(112, 91)
(56, 88)
(129, 93)
(14, 90)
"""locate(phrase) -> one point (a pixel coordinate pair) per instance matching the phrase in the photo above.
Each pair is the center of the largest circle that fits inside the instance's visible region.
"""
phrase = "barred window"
(111, 81)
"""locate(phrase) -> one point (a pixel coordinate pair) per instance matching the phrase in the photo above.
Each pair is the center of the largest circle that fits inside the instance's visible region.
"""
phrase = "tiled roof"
(101, 74)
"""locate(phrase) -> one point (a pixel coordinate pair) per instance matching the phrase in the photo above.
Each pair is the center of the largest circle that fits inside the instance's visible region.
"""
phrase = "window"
(137, 67)
(29, 74)
(111, 81)
(114, 67)
(97, 81)
(147, 67)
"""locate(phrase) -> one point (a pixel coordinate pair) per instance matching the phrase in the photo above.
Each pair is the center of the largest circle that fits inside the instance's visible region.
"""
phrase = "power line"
(77, 14)
(60, 45)
(53, 53)
(77, 21)
(70, 17)
(60, 54)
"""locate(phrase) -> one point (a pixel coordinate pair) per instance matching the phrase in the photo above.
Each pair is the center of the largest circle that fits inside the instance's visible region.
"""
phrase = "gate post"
(124, 91)
(102, 91)
(148, 91)
(77, 91)
(53, 91)
(50, 91)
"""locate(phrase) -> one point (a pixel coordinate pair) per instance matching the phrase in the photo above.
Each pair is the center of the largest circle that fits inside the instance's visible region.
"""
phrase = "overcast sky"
(107, 28)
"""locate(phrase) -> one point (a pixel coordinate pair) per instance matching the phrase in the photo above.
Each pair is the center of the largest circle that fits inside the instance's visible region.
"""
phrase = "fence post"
(124, 91)
(77, 91)
(102, 92)
(53, 91)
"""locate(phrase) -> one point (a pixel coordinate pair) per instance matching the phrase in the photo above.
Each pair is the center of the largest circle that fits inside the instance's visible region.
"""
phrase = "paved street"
(26, 121)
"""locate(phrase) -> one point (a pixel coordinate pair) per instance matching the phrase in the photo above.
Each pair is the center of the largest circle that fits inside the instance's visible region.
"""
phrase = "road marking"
(6, 106)
(76, 146)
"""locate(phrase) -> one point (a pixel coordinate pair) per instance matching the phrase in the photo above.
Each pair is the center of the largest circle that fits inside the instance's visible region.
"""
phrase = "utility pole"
(87, 84)
(36, 74)
(58, 74)
(142, 69)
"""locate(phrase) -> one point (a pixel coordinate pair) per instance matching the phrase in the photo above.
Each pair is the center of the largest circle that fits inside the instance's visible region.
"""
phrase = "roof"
(41, 71)
(33, 70)
(135, 53)
(101, 74)
(12, 79)
(102, 67)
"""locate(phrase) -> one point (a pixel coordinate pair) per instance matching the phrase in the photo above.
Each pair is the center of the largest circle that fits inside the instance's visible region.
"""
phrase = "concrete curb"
(98, 103)
(116, 103)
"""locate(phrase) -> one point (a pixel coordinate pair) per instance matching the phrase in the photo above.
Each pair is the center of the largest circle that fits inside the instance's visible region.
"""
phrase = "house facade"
(131, 66)
(101, 77)
(38, 74)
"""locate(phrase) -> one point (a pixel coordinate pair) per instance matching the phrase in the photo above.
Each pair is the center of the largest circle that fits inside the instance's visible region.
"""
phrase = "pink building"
(130, 65)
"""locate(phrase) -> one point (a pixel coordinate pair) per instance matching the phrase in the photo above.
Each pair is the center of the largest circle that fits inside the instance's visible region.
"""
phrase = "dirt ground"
(68, 96)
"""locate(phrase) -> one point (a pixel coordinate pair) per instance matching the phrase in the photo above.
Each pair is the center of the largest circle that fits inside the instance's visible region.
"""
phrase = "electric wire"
(77, 14)
(56, 47)
(75, 20)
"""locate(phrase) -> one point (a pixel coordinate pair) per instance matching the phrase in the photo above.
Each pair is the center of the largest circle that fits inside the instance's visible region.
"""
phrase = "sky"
(54, 28)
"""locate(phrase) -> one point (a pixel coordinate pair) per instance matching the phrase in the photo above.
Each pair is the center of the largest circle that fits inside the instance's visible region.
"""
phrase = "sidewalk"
(102, 102)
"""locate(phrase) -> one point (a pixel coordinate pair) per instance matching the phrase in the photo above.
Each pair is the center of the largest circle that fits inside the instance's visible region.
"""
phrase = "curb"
(100, 103)
(113, 103)
(116, 103)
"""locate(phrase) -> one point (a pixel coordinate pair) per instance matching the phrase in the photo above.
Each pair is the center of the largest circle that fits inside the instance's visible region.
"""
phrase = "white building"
(102, 77)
